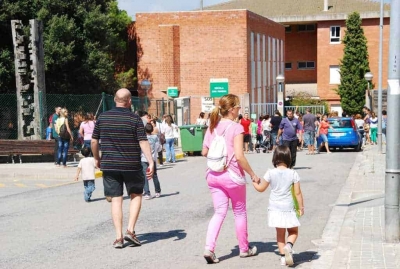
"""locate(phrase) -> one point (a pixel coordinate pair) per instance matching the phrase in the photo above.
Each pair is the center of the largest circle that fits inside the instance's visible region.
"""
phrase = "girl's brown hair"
(225, 103)
(282, 155)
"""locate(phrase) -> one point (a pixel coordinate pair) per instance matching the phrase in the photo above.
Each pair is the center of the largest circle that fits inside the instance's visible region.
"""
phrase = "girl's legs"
(237, 193)
(160, 157)
(280, 239)
(65, 152)
(60, 150)
(221, 201)
(157, 186)
(293, 234)
(168, 150)
(172, 150)
(373, 134)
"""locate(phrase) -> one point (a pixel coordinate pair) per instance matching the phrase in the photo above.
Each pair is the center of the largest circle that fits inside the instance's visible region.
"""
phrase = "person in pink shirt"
(229, 184)
(86, 129)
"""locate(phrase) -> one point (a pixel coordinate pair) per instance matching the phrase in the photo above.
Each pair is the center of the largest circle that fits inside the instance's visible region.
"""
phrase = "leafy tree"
(85, 43)
(353, 66)
(302, 99)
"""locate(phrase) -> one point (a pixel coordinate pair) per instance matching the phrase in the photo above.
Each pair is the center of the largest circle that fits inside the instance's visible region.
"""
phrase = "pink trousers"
(222, 189)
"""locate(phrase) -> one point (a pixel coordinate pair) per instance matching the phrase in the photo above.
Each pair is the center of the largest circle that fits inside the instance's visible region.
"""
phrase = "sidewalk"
(46, 170)
(355, 232)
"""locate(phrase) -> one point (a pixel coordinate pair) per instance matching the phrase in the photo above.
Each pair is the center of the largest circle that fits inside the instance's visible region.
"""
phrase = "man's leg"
(116, 212)
(134, 182)
(293, 151)
(134, 210)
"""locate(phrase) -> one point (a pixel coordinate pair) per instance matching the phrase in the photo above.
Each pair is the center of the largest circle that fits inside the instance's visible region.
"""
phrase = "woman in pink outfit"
(231, 183)
(86, 129)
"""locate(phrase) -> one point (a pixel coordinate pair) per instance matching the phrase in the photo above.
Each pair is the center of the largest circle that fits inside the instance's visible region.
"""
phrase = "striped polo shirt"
(120, 131)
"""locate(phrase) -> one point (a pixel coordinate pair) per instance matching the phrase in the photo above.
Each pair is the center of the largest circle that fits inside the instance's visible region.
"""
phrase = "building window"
(306, 27)
(288, 66)
(335, 34)
(334, 74)
(288, 28)
(305, 65)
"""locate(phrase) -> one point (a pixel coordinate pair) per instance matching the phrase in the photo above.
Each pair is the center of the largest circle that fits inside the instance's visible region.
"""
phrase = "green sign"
(219, 87)
(253, 116)
(173, 92)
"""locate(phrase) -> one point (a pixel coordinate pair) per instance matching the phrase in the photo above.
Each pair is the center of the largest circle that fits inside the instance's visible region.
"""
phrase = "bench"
(30, 147)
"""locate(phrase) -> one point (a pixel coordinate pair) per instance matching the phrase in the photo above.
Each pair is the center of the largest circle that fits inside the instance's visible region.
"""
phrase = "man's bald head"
(122, 98)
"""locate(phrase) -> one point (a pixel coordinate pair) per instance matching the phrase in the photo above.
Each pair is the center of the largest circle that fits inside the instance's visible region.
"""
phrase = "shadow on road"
(303, 257)
(169, 194)
(154, 237)
(300, 168)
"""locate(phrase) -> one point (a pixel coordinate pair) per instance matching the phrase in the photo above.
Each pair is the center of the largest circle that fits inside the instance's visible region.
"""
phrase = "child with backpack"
(223, 147)
(87, 166)
(285, 194)
(155, 148)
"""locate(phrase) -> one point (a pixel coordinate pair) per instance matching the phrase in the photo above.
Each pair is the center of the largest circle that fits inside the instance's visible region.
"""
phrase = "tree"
(85, 43)
(353, 66)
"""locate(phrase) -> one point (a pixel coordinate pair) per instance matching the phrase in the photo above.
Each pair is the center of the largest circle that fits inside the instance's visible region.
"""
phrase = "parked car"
(344, 134)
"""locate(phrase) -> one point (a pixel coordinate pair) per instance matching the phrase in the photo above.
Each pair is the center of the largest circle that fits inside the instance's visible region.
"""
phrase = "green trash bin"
(192, 137)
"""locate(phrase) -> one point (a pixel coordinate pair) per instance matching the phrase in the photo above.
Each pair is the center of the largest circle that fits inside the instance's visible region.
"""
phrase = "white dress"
(281, 212)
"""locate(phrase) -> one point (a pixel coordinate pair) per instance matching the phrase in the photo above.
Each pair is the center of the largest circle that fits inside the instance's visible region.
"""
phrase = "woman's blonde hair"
(224, 105)
(63, 112)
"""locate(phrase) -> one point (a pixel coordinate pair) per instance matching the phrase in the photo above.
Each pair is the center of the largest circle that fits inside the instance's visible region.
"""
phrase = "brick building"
(187, 49)
(314, 30)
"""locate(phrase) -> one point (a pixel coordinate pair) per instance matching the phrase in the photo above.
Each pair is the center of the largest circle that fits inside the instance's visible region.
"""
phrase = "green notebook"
(295, 202)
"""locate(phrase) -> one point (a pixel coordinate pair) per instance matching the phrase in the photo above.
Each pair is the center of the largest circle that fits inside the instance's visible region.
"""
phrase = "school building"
(248, 44)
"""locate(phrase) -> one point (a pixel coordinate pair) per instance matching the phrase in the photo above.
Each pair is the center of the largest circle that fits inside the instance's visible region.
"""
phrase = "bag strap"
(288, 121)
(230, 159)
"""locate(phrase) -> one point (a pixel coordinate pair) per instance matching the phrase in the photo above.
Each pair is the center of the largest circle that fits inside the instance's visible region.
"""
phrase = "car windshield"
(340, 123)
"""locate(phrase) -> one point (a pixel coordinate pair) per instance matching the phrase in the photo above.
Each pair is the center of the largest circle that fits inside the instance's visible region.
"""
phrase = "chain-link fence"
(78, 106)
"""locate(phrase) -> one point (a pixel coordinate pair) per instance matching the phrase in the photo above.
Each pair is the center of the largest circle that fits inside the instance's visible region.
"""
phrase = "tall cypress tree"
(353, 66)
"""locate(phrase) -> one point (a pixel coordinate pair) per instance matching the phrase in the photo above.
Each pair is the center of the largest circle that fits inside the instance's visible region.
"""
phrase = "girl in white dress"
(281, 210)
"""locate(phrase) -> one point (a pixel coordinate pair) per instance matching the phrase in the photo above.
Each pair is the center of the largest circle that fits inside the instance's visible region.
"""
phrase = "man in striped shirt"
(123, 138)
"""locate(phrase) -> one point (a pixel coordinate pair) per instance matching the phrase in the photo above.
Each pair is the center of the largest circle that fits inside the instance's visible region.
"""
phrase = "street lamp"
(368, 77)
(280, 79)
(145, 85)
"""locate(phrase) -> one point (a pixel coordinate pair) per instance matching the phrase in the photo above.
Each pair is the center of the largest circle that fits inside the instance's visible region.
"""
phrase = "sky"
(137, 6)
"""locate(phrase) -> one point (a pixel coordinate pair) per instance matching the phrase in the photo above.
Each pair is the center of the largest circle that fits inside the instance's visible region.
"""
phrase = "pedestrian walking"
(245, 122)
(384, 125)
(360, 126)
(275, 122)
(373, 124)
(155, 148)
(281, 208)
(309, 120)
(230, 184)
(86, 129)
(201, 120)
(322, 133)
(63, 141)
(52, 120)
(288, 129)
(122, 140)
(88, 168)
(157, 131)
(168, 129)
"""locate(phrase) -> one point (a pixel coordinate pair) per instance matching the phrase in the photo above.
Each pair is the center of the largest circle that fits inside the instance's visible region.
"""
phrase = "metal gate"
(262, 109)
(302, 109)
(165, 106)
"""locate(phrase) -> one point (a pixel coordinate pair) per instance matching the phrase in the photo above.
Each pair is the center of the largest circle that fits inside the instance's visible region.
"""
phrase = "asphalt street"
(54, 227)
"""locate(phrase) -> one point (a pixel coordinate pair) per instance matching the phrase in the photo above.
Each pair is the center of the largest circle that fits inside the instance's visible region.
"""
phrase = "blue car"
(344, 134)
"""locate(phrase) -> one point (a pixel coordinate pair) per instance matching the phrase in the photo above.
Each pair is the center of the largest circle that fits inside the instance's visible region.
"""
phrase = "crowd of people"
(131, 142)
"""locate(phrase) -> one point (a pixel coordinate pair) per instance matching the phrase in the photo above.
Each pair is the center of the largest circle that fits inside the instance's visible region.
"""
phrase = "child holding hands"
(281, 209)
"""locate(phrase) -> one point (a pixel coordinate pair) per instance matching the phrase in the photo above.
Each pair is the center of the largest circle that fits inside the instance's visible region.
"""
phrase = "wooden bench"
(30, 147)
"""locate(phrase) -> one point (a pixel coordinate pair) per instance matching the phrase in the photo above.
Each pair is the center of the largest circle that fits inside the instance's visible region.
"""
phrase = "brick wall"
(187, 49)
(300, 47)
(330, 54)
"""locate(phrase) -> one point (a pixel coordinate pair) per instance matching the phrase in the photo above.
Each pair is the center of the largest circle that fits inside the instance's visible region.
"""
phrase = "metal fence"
(261, 109)
(77, 105)
(302, 109)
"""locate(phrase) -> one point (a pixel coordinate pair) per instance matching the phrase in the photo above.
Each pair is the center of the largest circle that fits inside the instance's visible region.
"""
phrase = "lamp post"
(145, 85)
(380, 80)
(368, 77)
(280, 79)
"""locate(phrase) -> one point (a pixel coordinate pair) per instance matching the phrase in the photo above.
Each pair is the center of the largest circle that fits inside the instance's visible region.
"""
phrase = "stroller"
(264, 145)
